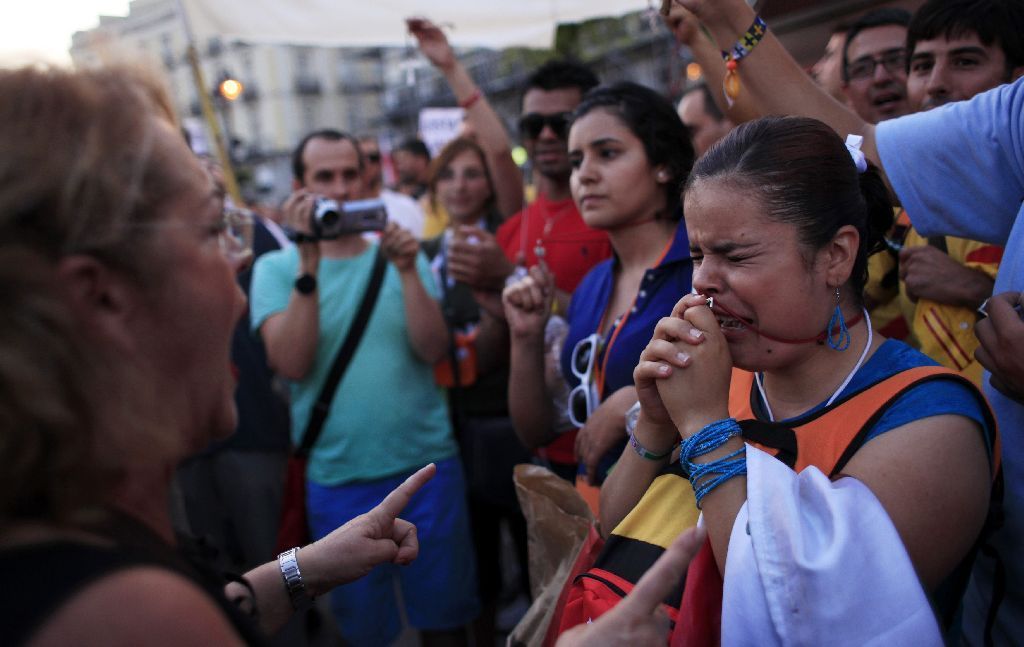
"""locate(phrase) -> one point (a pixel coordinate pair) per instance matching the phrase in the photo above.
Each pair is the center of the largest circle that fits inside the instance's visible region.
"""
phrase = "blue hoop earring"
(840, 339)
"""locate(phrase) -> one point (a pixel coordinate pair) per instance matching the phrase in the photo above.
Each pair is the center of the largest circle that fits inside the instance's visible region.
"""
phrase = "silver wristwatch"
(289, 563)
(632, 417)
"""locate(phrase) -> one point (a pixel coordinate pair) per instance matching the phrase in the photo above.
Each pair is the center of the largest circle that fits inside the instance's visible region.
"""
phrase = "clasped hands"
(682, 378)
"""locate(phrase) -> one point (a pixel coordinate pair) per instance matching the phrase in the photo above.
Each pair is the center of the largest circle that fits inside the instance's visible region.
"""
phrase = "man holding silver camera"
(304, 303)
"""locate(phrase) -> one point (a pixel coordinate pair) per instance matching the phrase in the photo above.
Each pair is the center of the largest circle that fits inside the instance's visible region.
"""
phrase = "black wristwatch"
(306, 284)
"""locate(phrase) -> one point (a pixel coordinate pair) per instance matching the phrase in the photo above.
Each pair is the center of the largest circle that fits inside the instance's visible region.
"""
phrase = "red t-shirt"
(571, 249)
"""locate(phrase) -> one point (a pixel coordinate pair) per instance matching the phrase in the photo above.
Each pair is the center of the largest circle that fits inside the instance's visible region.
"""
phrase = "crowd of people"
(771, 334)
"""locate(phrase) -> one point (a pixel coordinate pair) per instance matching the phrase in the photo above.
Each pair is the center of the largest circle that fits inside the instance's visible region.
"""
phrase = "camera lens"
(329, 219)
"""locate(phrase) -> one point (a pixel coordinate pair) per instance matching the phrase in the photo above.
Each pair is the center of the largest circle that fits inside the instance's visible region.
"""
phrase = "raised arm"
(655, 433)
(290, 336)
(490, 132)
(527, 308)
(687, 30)
(773, 81)
(633, 474)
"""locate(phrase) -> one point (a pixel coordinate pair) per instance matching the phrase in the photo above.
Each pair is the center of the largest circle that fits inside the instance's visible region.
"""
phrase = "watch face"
(632, 415)
(305, 284)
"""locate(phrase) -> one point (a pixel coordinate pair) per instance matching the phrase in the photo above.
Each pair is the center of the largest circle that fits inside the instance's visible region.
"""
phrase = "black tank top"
(43, 577)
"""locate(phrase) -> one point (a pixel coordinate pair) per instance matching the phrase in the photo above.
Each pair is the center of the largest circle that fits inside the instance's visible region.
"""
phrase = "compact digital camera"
(331, 219)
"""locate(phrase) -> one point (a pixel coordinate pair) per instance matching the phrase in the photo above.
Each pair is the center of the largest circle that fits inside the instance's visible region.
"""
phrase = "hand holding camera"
(312, 218)
(400, 247)
(296, 220)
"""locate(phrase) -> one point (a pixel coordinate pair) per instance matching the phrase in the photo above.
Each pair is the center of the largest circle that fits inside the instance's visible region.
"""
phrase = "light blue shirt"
(388, 415)
(959, 170)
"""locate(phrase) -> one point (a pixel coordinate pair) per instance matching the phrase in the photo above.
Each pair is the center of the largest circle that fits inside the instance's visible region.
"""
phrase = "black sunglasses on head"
(532, 125)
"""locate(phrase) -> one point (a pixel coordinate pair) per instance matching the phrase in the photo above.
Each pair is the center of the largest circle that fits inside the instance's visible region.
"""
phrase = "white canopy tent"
(487, 23)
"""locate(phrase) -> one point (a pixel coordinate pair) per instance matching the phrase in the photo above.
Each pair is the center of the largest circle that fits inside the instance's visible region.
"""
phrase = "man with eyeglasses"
(874, 67)
(401, 208)
(874, 80)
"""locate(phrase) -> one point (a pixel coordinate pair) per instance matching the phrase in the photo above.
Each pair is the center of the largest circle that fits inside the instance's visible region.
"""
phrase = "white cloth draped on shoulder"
(814, 562)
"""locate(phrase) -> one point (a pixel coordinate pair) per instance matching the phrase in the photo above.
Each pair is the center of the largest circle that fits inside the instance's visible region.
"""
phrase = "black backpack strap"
(939, 243)
(341, 362)
(772, 435)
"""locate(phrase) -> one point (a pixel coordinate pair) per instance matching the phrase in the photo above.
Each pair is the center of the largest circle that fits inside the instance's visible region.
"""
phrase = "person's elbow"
(283, 358)
(532, 433)
(287, 367)
(293, 373)
(432, 352)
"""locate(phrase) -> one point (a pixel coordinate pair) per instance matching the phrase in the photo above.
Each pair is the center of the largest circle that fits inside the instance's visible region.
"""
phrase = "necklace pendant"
(538, 249)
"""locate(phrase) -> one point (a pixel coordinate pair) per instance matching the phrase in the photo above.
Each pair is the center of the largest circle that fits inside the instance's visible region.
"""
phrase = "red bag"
(294, 527)
(700, 614)
(588, 555)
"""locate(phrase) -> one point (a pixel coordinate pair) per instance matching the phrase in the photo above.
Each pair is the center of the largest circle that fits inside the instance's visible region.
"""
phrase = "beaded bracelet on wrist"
(746, 44)
(704, 442)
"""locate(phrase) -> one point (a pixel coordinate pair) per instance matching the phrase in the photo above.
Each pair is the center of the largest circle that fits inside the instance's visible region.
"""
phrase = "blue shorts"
(439, 588)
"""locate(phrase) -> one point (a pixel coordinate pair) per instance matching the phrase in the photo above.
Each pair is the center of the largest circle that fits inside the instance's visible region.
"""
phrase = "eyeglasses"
(532, 125)
(894, 61)
(236, 232)
(583, 399)
(373, 157)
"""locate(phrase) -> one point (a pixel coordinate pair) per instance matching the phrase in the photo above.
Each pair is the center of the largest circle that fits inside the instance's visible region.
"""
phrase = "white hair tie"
(853, 143)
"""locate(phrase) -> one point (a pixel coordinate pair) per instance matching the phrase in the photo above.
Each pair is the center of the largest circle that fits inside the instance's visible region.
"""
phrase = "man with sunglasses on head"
(401, 208)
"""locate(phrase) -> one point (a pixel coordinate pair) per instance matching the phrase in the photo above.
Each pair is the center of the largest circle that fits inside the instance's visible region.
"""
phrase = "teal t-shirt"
(388, 415)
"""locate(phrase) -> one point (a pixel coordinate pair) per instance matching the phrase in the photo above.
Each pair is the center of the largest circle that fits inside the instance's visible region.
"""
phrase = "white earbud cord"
(759, 377)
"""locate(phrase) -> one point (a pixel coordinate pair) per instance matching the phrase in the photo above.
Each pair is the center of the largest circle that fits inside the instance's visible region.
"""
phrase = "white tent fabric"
(489, 23)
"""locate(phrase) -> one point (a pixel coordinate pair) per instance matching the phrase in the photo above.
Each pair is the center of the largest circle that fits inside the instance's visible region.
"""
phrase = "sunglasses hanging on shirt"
(583, 399)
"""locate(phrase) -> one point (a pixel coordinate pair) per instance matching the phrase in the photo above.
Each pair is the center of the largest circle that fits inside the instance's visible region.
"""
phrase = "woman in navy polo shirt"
(630, 155)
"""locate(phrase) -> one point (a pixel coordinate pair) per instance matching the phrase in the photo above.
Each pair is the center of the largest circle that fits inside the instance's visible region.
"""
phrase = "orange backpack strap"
(829, 438)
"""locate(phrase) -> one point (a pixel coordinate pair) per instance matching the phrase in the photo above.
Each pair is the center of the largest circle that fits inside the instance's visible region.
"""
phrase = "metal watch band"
(293, 579)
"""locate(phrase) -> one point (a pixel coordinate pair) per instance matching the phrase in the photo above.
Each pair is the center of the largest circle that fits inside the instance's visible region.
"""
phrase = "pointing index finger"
(665, 574)
(395, 502)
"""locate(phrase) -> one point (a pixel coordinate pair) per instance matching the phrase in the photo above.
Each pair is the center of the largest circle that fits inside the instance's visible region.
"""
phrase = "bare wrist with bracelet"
(632, 421)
